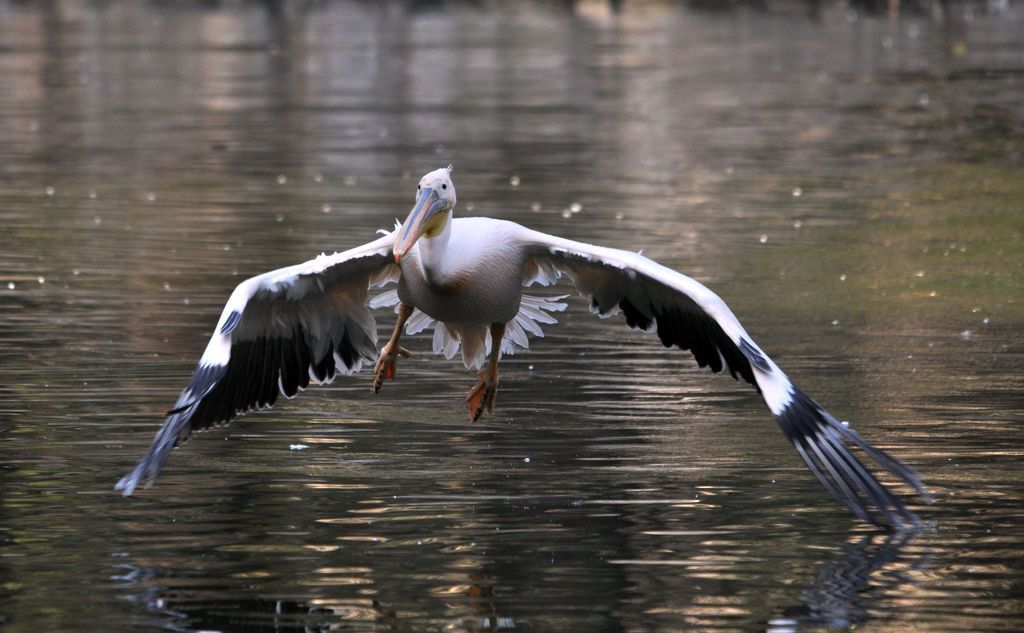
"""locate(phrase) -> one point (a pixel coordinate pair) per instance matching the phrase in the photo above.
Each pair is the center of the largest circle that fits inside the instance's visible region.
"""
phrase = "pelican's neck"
(432, 250)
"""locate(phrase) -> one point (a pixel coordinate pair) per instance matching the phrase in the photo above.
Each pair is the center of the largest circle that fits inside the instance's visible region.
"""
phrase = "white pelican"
(282, 330)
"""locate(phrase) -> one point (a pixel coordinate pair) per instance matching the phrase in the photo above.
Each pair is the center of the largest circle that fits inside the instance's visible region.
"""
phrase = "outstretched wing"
(687, 315)
(279, 332)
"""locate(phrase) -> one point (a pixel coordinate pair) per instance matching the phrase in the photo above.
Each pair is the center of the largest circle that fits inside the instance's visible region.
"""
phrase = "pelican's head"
(435, 199)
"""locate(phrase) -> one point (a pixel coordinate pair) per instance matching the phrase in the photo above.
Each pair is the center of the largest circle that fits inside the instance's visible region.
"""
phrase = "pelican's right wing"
(688, 315)
(278, 332)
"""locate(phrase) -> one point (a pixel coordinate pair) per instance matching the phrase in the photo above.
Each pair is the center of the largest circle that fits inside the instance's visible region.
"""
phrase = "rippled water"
(851, 185)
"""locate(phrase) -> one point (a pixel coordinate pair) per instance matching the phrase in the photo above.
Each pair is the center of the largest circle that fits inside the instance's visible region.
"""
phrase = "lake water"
(853, 186)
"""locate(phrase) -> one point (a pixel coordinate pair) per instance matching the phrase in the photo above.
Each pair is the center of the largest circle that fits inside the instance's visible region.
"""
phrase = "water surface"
(850, 184)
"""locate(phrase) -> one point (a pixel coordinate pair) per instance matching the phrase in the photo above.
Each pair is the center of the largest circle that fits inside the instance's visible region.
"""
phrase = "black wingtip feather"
(819, 439)
(203, 381)
(175, 429)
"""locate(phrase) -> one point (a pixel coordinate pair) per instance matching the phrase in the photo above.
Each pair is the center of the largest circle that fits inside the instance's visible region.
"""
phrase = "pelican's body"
(453, 280)
(304, 324)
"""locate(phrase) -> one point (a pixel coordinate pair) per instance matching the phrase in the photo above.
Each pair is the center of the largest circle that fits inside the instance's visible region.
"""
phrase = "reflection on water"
(849, 183)
(842, 593)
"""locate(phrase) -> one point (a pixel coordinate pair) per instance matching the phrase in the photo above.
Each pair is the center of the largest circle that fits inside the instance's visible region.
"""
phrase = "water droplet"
(835, 321)
(526, 459)
(41, 279)
(10, 285)
(92, 194)
(279, 217)
(514, 180)
(730, 170)
(50, 191)
(318, 177)
(575, 207)
(326, 208)
(225, 247)
(76, 272)
(151, 196)
(797, 192)
(97, 220)
(763, 239)
(842, 277)
(186, 301)
(985, 321)
(530, 367)
(797, 224)
(924, 100)
(619, 215)
(933, 294)
(535, 207)
(919, 273)
(566, 213)
(281, 179)
(167, 286)
(470, 207)
(966, 335)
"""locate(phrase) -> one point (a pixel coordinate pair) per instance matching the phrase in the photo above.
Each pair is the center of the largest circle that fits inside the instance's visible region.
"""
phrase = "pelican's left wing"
(686, 314)
(278, 332)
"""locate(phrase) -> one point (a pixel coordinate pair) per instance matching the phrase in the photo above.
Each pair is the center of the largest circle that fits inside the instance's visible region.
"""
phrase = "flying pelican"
(282, 330)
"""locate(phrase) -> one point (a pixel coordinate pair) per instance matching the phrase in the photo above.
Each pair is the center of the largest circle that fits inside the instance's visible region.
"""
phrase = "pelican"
(282, 330)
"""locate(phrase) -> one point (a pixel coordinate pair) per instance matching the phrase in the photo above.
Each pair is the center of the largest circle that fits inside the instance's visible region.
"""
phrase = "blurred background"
(846, 175)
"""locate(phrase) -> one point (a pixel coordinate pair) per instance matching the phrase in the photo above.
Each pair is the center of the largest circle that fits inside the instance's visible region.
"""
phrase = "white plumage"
(464, 277)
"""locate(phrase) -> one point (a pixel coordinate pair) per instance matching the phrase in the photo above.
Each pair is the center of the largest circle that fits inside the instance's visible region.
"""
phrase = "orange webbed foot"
(482, 396)
(386, 366)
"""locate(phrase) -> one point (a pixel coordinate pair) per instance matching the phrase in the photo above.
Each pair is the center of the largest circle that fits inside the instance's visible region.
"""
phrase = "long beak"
(428, 204)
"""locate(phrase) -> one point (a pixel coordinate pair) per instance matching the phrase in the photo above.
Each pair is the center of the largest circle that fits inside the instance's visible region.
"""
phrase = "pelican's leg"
(385, 367)
(482, 396)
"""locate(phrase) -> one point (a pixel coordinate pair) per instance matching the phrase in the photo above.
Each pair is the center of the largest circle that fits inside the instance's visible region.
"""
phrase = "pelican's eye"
(444, 186)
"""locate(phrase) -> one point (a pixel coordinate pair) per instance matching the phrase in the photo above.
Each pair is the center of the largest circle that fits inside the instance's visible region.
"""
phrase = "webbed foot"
(386, 367)
(482, 396)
